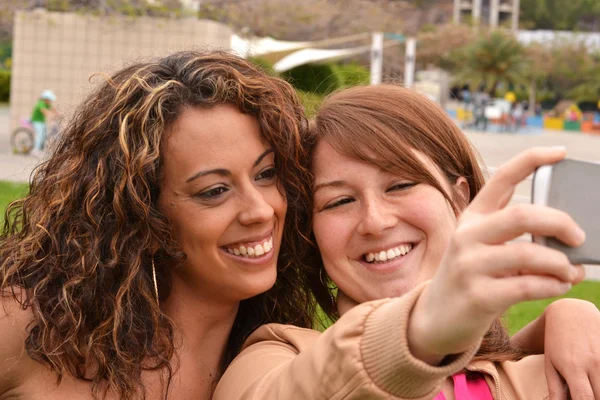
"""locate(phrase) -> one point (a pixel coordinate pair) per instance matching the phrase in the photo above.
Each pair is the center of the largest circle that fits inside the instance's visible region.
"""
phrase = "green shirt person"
(43, 108)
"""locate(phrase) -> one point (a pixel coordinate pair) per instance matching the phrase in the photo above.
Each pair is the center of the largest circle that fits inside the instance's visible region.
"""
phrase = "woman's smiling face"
(220, 194)
(379, 234)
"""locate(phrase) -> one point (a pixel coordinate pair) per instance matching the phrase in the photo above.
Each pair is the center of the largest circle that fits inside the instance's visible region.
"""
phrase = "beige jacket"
(364, 355)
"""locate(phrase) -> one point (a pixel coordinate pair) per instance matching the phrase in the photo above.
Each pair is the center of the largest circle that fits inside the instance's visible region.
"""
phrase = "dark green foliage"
(316, 78)
(4, 86)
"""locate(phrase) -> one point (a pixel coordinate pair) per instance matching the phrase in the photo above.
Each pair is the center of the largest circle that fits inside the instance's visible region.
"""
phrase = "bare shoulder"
(14, 360)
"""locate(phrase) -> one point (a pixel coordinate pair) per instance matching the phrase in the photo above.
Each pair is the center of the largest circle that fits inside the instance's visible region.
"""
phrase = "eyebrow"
(225, 172)
(329, 184)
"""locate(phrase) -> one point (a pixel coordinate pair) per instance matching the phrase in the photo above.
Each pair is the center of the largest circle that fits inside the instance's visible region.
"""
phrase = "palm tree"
(496, 57)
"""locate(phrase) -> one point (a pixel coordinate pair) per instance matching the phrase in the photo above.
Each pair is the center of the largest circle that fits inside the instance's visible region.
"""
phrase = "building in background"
(488, 12)
(70, 53)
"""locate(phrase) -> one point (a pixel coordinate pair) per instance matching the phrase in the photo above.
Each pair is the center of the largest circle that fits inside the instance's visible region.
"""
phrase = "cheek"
(437, 221)
(277, 201)
(332, 235)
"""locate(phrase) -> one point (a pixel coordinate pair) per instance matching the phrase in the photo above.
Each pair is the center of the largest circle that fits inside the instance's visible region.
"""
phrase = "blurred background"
(511, 73)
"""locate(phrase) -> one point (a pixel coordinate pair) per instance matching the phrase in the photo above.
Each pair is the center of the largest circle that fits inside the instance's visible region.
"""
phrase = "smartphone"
(574, 187)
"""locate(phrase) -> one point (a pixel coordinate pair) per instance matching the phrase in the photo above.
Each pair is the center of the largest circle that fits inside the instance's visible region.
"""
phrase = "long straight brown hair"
(383, 125)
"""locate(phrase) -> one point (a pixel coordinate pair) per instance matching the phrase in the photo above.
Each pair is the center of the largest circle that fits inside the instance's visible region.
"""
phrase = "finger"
(595, 379)
(512, 222)
(495, 194)
(579, 385)
(578, 279)
(524, 258)
(516, 289)
(556, 385)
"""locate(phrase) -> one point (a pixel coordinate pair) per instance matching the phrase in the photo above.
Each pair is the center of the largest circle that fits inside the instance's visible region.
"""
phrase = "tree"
(589, 89)
(560, 14)
(495, 58)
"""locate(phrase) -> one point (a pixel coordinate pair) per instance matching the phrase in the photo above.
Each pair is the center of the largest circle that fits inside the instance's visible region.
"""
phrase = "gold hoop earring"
(329, 289)
(155, 284)
(321, 278)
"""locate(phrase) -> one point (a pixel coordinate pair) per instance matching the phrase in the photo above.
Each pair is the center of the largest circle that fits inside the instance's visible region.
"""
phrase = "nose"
(376, 218)
(255, 208)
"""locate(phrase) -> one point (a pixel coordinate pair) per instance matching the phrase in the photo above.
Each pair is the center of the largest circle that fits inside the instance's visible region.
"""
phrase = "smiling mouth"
(388, 255)
(251, 251)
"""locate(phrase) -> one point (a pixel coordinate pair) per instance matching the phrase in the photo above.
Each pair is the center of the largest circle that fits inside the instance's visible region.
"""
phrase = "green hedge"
(4, 86)
(315, 78)
(352, 74)
(326, 78)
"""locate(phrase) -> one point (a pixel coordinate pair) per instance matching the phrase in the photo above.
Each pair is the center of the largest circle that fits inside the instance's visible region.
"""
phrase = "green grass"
(10, 191)
(521, 314)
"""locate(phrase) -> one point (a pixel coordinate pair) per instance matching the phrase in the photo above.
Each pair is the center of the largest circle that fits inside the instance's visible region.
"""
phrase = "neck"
(344, 303)
(202, 325)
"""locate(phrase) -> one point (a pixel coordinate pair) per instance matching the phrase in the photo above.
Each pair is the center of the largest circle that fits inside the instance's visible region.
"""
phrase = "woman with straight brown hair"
(422, 262)
(148, 247)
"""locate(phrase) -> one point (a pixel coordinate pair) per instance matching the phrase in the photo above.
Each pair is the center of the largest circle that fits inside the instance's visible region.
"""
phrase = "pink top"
(472, 389)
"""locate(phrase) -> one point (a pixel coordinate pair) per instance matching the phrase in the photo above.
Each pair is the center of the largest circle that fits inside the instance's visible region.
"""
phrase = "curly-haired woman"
(148, 246)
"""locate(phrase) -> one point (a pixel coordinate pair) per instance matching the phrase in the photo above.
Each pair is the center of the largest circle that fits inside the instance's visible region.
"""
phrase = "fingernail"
(561, 148)
(579, 235)
(565, 287)
(574, 272)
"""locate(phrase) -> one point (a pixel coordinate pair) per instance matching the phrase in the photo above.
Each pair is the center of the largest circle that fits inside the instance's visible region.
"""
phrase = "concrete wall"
(61, 51)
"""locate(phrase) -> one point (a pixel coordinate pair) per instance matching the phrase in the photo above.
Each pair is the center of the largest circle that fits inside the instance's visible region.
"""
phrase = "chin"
(258, 284)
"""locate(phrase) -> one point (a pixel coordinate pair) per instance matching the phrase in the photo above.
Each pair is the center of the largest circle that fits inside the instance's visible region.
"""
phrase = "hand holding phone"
(574, 187)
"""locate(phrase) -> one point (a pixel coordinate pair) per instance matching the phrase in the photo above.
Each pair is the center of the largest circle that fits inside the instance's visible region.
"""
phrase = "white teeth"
(258, 250)
(252, 251)
(389, 254)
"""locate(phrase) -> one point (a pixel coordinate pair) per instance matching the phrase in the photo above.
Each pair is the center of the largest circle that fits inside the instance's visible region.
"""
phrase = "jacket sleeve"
(364, 354)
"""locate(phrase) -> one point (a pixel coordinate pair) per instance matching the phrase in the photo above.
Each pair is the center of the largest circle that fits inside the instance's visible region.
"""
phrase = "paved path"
(12, 167)
(494, 148)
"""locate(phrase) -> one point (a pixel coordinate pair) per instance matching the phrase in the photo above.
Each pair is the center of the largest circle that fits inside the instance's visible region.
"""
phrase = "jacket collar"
(488, 368)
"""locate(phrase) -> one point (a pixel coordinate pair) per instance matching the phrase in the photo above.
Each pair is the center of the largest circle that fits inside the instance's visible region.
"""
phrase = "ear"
(462, 193)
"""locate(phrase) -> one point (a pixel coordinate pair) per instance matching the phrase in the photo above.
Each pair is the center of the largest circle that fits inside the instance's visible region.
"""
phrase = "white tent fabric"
(306, 56)
(264, 45)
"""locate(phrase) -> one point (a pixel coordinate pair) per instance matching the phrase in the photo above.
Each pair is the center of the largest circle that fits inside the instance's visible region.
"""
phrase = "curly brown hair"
(375, 124)
(80, 244)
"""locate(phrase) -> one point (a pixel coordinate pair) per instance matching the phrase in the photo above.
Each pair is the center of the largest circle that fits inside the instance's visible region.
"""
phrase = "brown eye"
(401, 186)
(338, 203)
(213, 193)
(267, 174)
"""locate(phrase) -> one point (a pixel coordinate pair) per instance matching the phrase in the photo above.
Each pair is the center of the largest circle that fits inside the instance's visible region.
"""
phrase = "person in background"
(42, 111)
